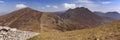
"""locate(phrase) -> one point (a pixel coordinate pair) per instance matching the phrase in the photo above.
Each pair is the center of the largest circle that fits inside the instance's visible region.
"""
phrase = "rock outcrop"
(7, 33)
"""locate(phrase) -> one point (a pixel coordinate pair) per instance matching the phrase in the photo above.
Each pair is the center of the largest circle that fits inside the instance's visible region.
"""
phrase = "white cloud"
(92, 5)
(2, 2)
(48, 6)
(106, 2)
(55, 7)
(67, 5)
(20, 6)
(84, 1)
(87, 3)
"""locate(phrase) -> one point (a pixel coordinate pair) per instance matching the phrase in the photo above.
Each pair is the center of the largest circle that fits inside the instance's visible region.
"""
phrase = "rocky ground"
(14, 34)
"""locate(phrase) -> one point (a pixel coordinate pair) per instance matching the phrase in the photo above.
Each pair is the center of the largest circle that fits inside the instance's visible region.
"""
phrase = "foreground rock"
(7, 33)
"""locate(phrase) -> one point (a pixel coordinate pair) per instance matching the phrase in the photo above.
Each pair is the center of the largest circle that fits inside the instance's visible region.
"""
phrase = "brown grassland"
(105, 32)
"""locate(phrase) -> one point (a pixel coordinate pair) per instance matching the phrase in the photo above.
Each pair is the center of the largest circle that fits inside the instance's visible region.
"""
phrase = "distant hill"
(82, 17)
(112, 15)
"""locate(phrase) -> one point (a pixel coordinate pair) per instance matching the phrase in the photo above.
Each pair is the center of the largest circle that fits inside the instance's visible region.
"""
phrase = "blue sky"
(59, 5)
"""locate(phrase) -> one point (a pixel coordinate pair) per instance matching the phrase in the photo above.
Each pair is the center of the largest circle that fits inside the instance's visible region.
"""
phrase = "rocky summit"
(7, 33)
(81, 18)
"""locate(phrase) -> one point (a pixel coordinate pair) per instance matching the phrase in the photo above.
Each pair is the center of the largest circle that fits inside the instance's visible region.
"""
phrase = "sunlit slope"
(106, 32)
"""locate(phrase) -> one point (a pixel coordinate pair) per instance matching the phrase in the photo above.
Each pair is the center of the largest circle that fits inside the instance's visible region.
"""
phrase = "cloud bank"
(68, 5)
(19, 6)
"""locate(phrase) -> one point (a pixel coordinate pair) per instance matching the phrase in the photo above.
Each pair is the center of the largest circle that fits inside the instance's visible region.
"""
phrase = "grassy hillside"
(28, 19)
(106, 32)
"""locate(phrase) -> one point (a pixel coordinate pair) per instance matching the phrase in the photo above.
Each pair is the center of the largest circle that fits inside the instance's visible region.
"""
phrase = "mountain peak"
(82, 16)
(27, 9)
(80, 9)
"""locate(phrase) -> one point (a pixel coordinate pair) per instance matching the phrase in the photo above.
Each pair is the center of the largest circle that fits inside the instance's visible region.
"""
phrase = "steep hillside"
(51, 21)
(106, 32)
(25, 19)
(82, 18)
(32, 20)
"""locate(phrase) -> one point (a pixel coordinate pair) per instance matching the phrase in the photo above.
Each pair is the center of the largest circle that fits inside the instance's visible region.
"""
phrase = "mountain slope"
(22, 18)
(82, 18)
(32, 20)
(105, 32)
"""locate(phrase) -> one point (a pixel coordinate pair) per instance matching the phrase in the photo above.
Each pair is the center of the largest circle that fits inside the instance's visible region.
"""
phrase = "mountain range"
(113, 15)
(29, 19)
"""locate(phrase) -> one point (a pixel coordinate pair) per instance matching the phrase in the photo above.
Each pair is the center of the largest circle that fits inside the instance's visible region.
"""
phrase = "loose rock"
(14, 34)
